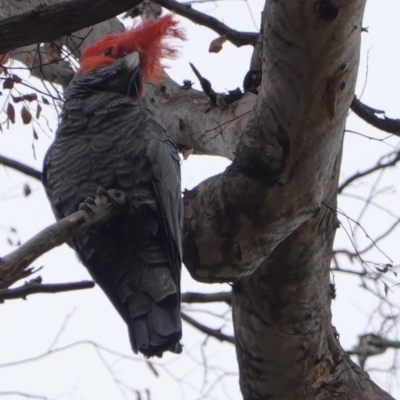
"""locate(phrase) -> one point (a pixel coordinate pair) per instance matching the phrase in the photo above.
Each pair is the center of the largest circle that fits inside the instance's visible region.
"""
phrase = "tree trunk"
(271, 219)
(286, 345)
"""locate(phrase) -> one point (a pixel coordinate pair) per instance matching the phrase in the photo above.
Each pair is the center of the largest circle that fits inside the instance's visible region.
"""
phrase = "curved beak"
(132, 60)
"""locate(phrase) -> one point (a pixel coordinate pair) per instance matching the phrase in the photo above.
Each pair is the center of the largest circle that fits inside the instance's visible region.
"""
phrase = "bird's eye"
(108, 52)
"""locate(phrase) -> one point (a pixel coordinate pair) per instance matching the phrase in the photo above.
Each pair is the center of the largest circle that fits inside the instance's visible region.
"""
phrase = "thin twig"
(24, 395)
(14, 266)
(25, 169)
(235, 37)
(34, 287)
(192, 297)
(216, 333)
(379, 165)
(67, 347)
(369, 114)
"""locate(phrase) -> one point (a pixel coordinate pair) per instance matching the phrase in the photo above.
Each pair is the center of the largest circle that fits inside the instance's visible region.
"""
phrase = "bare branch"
(25, 169)
(372, 345)
(43, 64)
(35, 286)
(216, 333)
(186, 10)
(67, 347)
(379, 165)
(14, 266)
(48, 22)
(348, 271)
(25, 395)
(369, 114)
(191, 297)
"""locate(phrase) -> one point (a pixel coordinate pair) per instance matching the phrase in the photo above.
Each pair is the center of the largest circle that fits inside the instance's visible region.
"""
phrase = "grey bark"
(282, 311)
(268, 222)
(34, 21)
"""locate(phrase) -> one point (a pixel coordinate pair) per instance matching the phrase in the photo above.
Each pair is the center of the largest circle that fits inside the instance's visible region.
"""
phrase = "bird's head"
(131, 57)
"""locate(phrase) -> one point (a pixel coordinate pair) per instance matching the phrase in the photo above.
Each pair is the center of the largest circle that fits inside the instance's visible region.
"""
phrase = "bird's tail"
(154, 312)
(135, 273)
(157, 329)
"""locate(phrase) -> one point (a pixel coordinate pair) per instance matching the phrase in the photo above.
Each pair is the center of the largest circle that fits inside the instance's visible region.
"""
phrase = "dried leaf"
(10, 242)
(11, 113)
(34, 150)
(8, 84)
(16, 78)
(386, 287)
(385, 268)
(16, 99)
(38, 111)
(4, 58)
(35, 135)
(26, 115)
(1, 128)
(27, 190)
(13, 230)
(216, 44)
(45, 101)
(29, 97)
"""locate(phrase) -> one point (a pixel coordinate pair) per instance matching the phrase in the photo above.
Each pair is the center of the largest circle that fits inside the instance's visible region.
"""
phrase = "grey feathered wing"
(111, 141)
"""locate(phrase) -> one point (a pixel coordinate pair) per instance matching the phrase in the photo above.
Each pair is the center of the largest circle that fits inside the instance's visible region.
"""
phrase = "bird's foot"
(88, 205)
(116, 197)
(113, 196)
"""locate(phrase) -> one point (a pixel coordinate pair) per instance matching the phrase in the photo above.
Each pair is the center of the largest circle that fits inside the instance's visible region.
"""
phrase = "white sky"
(28, 328)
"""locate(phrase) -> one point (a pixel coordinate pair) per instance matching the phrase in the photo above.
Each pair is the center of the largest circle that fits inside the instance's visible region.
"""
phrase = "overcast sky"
(29, 328)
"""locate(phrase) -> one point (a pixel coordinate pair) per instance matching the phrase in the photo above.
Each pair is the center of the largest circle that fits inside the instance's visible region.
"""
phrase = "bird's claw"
(114, 196)
(88, 205)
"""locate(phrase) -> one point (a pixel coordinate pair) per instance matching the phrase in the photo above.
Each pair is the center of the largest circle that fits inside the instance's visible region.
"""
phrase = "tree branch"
(14, 265)
(372, 345)
(25, 169)
(186, 10)
(369, 114)
(45, 65)
(24, 395)
(35, 286)
(379, 165)
(191, 297)
(44, 23)
(216, 333)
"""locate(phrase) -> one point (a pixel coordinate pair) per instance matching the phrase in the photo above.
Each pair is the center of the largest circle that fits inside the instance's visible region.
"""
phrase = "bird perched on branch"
(107, 138)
